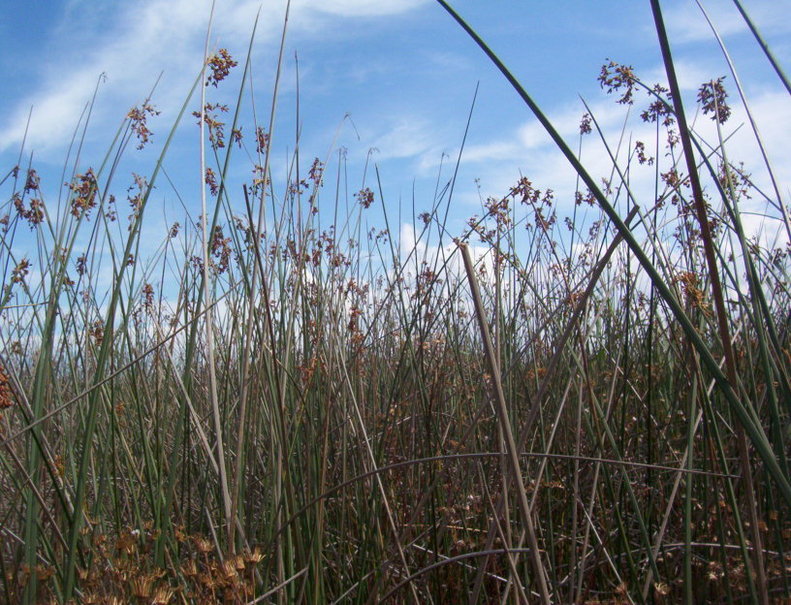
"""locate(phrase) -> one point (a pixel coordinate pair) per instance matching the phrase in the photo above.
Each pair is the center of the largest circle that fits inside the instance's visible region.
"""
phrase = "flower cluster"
(138, 117)
(711, 97)
(84, 188)
(216, 128)
(365, 197)
(220, 65)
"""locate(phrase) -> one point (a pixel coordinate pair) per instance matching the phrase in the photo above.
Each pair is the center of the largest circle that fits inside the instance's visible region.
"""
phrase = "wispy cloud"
(691, 73)
(140, 40)
(686, 22)
(405, 137)
(498, 162)
(362, 8)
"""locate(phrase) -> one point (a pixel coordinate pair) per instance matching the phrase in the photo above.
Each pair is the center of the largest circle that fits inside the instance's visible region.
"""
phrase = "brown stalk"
(551, 369)
(505, 425)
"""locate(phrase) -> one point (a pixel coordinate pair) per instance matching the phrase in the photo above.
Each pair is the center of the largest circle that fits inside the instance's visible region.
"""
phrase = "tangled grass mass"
(277, 402)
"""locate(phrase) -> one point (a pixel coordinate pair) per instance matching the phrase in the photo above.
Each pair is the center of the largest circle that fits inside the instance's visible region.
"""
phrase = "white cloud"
(686, 23)
(146, 42)
(691, 73)
(416, 247)
(566, 121)
(362, 8)
(143, 39)
(529, 151)
(487, 152)
(498, 161)
(405, 137)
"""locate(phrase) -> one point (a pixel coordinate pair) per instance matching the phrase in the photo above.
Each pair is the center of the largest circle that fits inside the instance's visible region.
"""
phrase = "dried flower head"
(32, 181)
(660, 108)
(202, 544)
(96, 331)
(20, 272)
(261, 139)
(662, 588)
(82, 264)
(735, 179)
(711, 96)
(588, 198)
(33, 213)
(585, 124)
(142, 585)
(162, 595)
(365, 197)
(220, 65)
(616, 77)
(190, 568)
(148, 296)
(254, 557)
(229, 569)
(639, 148)
(84, 188)
(6, 394)
(220, 250)
(216, 128)
(694, 295)
(316, 171)
(211, 180)
(138, 125)
(110, 212)
(137, 200)
(236, 136)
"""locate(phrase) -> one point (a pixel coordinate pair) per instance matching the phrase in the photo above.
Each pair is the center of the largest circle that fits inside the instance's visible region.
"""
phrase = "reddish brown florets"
(220, 65)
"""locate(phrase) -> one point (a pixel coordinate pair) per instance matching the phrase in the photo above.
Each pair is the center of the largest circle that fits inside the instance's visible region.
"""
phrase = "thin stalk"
(716, 287)
(755, 432)
(505, 424)
(764, 46)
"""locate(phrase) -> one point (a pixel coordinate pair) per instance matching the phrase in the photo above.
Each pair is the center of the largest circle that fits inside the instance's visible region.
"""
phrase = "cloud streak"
(143, 39)
(686, 22)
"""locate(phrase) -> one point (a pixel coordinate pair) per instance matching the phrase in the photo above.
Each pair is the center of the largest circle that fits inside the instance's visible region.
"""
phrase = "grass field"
(274, 404)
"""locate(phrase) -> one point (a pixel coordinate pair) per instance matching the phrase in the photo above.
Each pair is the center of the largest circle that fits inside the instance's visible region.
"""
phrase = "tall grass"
(274, 404)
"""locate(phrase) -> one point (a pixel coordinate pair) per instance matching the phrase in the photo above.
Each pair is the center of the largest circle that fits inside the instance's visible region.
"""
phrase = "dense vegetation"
(275, 403)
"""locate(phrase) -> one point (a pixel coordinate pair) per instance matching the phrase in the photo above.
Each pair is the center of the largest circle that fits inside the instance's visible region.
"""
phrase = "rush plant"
(577, 401)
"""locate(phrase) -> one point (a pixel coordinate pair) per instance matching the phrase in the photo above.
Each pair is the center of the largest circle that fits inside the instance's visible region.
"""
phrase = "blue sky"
(401, 69)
